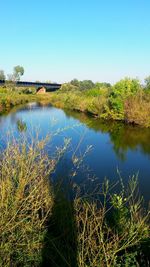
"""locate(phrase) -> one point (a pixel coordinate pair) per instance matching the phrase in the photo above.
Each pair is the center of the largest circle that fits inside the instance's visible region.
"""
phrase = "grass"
(26, 201)
(111, 232)
(41, 226)
(11, 97)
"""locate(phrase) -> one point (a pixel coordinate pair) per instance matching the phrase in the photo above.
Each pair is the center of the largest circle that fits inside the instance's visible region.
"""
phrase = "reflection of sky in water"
(114, 146)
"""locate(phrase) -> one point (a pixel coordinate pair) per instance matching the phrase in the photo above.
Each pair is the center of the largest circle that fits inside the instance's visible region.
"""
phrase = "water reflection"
(123, 137)
(21, 126)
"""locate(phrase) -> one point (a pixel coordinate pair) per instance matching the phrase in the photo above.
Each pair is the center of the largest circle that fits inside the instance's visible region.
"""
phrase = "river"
(110, 146)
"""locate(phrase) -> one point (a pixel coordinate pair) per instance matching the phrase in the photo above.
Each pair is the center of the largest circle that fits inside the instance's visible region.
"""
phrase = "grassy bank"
(41, 226)
(12, 96)
(126, 101)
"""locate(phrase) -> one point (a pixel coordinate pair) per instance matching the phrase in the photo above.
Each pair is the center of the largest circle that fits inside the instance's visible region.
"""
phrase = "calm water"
(114, 145)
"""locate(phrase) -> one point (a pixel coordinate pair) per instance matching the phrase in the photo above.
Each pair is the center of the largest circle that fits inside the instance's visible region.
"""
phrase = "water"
(114, 145)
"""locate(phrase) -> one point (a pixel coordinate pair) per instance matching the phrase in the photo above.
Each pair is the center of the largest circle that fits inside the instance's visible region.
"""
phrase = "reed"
(26, 201)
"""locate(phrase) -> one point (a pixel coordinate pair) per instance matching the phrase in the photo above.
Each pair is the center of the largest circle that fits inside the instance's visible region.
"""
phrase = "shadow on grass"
(60, 248)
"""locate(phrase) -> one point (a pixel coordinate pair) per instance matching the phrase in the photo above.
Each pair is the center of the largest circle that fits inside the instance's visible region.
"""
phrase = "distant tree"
(2, 75)
(104, 84)
(18, 71)
(86, 85)
(83, 85)
(147, 82)
(75, 82)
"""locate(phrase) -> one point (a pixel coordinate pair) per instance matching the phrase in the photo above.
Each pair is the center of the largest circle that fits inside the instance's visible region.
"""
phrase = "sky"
(58, 40)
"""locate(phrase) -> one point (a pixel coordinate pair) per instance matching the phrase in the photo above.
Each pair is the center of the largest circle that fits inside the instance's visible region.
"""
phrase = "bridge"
(50, 87)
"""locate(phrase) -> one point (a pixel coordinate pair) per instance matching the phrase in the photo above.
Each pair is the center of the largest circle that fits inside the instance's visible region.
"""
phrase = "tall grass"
(26, 201)
(40, 225)
(111, 232)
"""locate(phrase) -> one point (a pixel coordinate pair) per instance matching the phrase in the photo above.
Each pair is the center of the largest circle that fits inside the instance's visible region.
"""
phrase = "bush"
(137, 109)
(94, 92)
(119, 93)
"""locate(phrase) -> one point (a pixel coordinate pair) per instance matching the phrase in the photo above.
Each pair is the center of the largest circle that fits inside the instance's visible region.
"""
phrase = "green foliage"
(103, 85)
(18, 71)
(96, 91)
(68, 87)
(147, 82)
(2, 75)
(125, 101)
(82, 85)
(125, 88)
(21, 126)
(75, 82)
(117, 106)
(121, 91)
(127, 260)
(86, 85)
(107, 244)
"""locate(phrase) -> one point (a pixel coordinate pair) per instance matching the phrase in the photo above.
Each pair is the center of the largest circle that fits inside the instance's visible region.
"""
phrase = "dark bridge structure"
(50, 87)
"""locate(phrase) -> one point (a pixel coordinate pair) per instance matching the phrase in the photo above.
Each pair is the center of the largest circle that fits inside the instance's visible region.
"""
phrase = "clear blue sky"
(58, 40)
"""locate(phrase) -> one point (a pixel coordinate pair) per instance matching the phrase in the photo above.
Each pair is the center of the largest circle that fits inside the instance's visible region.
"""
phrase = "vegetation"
(9, 100)
(2, 75)
(147, 82)
(127, 100)
(40, 225)
(11, 96)
(111, 232)
(26, 201)
(18, 71)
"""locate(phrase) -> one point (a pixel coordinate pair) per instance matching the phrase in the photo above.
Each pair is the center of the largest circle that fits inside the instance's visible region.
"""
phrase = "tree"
(126, 87)
(102, 85)
(147, 82)
(18, 71)
(75, 82)
(2, 75)
(86, 85)
(120, 92)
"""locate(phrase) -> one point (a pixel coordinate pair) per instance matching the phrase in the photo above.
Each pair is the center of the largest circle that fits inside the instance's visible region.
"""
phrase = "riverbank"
(136, 109)
(127, 101)
(10, 99)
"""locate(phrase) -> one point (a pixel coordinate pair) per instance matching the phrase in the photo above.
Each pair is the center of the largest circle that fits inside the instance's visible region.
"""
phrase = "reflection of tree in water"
(21, 126)
(125, 137)
(122, 136)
